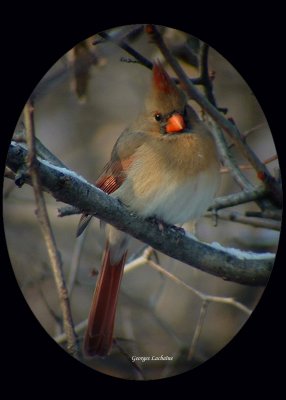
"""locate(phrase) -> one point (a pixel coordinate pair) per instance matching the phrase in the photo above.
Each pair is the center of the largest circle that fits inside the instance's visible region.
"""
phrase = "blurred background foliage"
(82, 105)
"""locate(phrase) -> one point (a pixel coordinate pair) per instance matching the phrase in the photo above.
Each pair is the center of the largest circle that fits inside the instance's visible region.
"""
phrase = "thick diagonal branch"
(68, 187)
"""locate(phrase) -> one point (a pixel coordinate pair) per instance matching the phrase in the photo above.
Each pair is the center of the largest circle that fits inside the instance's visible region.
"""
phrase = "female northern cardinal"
(165, 165)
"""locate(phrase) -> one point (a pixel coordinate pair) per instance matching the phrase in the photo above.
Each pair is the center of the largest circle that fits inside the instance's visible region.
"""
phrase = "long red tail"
(99, 333)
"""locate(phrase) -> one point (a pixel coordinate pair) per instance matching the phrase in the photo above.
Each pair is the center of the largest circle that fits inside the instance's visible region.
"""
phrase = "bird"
(165, 166)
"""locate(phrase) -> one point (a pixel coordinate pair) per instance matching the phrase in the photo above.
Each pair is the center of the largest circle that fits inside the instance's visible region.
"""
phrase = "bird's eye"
(158, 117)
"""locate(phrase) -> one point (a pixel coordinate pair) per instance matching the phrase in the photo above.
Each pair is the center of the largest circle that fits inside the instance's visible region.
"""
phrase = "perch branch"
(66, 186)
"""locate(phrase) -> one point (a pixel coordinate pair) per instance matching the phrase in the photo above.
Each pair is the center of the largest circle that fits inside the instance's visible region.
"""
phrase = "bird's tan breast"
(180, 156)
(176, 179)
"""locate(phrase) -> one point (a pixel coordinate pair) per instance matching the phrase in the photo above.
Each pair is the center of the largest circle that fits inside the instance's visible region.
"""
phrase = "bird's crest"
(161, 79)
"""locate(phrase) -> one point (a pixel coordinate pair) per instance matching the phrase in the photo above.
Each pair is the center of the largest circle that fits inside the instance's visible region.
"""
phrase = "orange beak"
(175, 123)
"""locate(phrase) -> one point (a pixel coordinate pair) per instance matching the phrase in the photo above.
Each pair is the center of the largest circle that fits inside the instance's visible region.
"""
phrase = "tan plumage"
(164, 165)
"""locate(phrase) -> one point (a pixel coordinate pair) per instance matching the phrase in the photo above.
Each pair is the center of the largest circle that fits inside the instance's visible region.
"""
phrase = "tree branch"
(49, 238)
(125, 46)
(121, 42)
(205, 78)
(68, 187)
(234, 199)
(248, 220)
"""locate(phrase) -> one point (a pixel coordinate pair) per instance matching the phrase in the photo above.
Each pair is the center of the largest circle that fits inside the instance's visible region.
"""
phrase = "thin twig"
(245, 134)
(242, 219)
(242, 197)
(201, 295)
(75, 262)
(68, 210)
(272, 214)
(138, 262)
(48, 236)
(122, 34)
(79, 328)
(120, 41)
(228, 161)
(231, 302)
(125, 46)
(270, 159)
(205, 78)
(206, 299)
(244, 167)
(199, 327)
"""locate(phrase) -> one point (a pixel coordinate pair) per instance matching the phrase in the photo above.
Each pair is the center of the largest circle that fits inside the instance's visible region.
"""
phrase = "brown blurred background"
(79, 121)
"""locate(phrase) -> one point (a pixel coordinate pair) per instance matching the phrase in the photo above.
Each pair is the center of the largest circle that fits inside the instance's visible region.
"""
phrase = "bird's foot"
(178, 229)
(162, 225)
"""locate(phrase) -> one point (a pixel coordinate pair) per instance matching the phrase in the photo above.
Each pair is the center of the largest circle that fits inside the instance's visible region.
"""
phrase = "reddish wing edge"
(110, 180)
(114, 175)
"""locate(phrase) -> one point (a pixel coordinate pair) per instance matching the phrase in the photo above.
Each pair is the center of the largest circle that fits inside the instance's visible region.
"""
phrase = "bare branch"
(144, 259)
(79, 328)
(120, 41)
(252, 130)
(70, 188)
(205, 78)
(68, 210)
(49, 239)
(234, 199)
(201, 295)
(229, 162)
(75, 262)
(125, 46)
(268, 160)
(256, 222)
(199, 327)
(272, 214)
